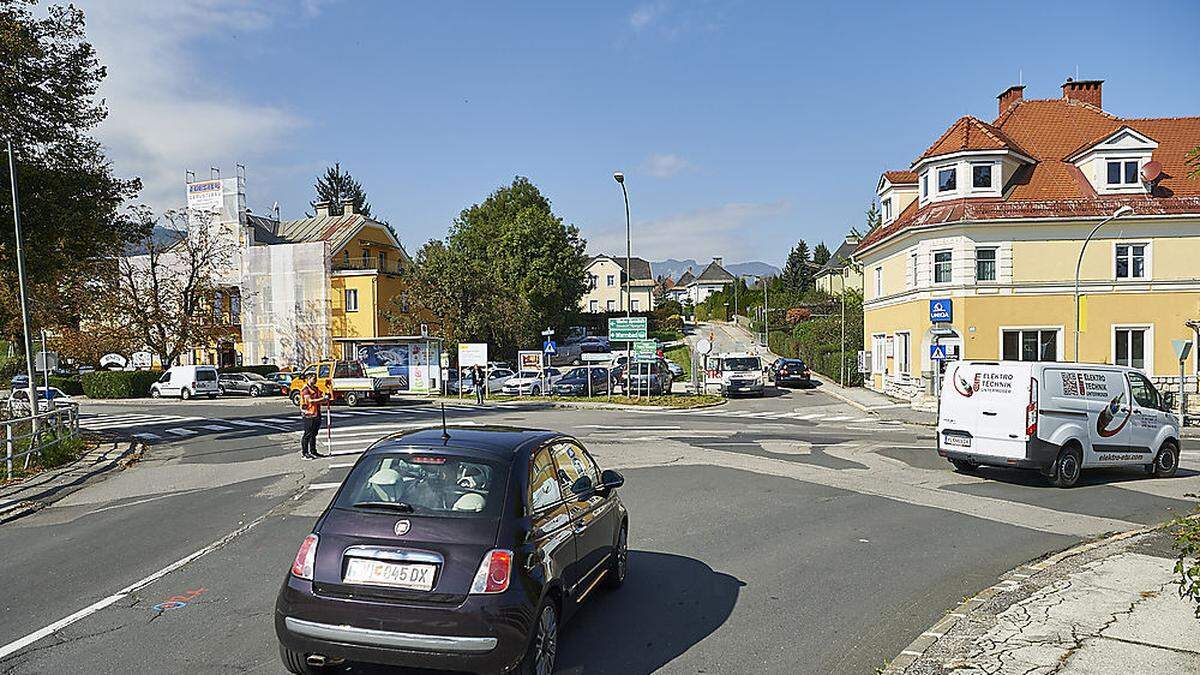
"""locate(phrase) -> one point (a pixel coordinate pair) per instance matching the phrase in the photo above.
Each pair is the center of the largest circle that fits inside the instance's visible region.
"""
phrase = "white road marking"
(839, 418)
(181, 432)
(625, 428)
(323, 486)
(247, 423)
(148, 436)
(341, 465)
(276, 420)
(21, 643)
(215, 427)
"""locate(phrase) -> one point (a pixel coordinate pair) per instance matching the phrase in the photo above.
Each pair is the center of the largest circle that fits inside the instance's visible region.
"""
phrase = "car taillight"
(302, 567)
(494, 572)
(1031, 410)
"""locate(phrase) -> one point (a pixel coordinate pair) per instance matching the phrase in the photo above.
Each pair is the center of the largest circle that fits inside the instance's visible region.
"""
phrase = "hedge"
(119, 383)
(71, 386)
(261, 370)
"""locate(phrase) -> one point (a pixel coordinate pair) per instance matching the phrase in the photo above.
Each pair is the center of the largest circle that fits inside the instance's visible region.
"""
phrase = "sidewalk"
(1105, 607)
(36, 492)
(885, 407)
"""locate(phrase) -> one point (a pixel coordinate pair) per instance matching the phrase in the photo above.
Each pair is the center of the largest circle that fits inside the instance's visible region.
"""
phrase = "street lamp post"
(620, 178)
(1123, 211)
(28, 343)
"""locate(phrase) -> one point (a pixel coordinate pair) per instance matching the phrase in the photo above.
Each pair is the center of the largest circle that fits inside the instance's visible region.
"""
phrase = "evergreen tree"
(797, 271)
(337, 186)
(821, 255)
(873, 217)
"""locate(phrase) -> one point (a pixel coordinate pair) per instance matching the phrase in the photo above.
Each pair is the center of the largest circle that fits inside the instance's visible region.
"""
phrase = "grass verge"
(61, 451)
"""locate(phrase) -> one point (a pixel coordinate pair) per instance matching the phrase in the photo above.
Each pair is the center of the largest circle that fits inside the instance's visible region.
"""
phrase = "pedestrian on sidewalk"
(478, 380)
(311, 400)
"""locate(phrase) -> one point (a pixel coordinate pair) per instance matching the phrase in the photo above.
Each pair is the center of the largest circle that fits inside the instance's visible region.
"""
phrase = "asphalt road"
(785, 534)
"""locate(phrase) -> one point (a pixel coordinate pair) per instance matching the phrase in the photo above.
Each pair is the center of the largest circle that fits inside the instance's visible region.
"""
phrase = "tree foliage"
(797, 271)
(821, 255)
(71, 204)
(508, 269)
(336, 187)
(873, 217)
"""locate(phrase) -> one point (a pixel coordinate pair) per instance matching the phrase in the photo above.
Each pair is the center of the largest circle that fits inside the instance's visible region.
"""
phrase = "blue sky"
(741, 126)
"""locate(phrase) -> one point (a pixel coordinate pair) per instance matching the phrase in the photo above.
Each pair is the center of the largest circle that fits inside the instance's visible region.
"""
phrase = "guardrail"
(21, 441)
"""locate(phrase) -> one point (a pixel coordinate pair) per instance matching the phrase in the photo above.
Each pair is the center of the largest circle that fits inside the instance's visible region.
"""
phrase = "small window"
(1030, 345)
(1130, 347)
(887, 210)
(924, 185)
(346, 257)
(612, 306)
(612, 280)
(912, 269)
(941, 267)
(572, 463)
(593, 305)
(1131, 261)
(1123, 172)
(383, 261)
(878, 282)
(1131, 173)
(633, 304)
(351, 299)
(981, 176)
(947, 180)
(323, 370)
(544, 490)
(985, 264)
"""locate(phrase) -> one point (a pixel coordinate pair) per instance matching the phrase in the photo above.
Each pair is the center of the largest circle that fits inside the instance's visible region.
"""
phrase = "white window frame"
(995, 264)
(1058, 339)
(594, 306)
(633, 304)
(925, 184)
(878, 353)
(991, 186)
(938, 179)
(879, 281)
(903, 359)
(351, 299)
(1146, 260)
(886, 206)
(611, 280)
(912, 269)
(1147, 344)
(1124, 161)
(933, 263)
(611, 306)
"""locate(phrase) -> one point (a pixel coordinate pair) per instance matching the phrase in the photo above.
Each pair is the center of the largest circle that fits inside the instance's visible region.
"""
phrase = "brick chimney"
(719, 261)
(347, 207)
(322, 209)
(1084, 91)
(1010, 96)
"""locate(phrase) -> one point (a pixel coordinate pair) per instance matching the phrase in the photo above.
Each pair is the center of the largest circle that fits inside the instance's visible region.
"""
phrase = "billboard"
(387, 360)
(472, 354)
(529, 361)
(205, 195)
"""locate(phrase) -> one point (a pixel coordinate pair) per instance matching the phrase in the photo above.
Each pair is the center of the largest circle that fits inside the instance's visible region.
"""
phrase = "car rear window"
(432, 484)
(206, 376)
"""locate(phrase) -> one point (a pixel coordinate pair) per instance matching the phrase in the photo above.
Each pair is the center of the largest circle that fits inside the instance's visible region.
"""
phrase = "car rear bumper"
(484, 634)
(1039, 454)
(792, 379)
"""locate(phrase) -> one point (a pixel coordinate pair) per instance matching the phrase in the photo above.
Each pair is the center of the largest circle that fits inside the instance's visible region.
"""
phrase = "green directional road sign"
(627, 328)
(645, 350)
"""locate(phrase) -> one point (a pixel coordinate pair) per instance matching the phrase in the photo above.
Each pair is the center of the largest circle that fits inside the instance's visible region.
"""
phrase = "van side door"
(1109, 411)
(1147, 418)
(168, 384)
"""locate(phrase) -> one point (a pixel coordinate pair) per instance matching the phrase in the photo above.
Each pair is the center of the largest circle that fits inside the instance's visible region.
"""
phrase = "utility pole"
(28, 344)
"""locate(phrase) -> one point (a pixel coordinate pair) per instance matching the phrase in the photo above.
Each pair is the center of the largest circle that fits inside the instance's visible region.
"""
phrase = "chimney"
(1084, 91)
(322, 209)
(1010, 96)
(347, 207)
(719, 261)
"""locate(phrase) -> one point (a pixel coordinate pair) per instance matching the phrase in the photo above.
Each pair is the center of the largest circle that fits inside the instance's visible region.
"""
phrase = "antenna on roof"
(445, 432)
(1020, 77)
(1076, 71)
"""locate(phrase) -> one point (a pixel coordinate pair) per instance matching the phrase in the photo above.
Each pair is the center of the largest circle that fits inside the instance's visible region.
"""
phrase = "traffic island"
(1107, 606)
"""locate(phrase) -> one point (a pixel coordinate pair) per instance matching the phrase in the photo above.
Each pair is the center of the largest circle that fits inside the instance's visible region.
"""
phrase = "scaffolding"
(285, 304)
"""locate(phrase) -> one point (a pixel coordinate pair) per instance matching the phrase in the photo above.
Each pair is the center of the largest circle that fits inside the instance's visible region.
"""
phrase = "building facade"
(712, 279)
(840, 274)
(989, 225)
(606, 286)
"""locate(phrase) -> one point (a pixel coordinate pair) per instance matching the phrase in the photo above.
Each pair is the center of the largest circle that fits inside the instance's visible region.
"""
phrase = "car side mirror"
(611, 480)
(583, 487)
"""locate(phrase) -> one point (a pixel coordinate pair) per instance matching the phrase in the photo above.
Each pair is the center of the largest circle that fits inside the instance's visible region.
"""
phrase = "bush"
(261, 370)
(71, 386)
(119, 383)
(1186, 532)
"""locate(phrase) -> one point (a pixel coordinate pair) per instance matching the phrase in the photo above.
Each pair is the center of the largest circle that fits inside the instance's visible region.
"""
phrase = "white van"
(1058, 418)
(186, 382)
(735, 373)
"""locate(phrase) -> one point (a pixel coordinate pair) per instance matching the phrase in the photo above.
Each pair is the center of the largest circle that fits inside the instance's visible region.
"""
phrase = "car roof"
(500, 442)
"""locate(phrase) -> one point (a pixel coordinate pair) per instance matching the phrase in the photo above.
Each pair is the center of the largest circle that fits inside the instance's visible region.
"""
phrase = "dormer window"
(947, 179)
(887, 210)
(981, 176)
(924, 185)
(1123, 172)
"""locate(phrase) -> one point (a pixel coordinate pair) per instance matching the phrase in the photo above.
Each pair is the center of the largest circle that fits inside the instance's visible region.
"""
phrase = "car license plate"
(361, 571)
(956, 439)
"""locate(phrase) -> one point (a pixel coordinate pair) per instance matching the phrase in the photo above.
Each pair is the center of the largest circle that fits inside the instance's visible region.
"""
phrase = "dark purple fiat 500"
(462, 549)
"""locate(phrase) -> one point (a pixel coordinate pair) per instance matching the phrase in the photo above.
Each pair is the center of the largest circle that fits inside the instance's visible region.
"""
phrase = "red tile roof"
(901, 177)
(1049, 131)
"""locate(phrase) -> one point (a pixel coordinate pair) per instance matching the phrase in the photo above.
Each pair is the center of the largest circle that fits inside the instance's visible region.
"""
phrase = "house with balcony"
(995, 222)
(606, 292)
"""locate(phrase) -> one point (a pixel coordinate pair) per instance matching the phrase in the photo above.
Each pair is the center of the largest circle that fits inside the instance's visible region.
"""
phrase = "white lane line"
(247, 423)
(323, 486)
(276, 420)
(810, 416)
(181, 432)
(839, 418)
(339, 453)
(148, 436)
(341, 465)
(215, 427)
(21, 643)
(626, 428)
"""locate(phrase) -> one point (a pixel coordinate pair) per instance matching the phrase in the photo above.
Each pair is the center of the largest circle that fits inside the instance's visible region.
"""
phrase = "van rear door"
(983, 408)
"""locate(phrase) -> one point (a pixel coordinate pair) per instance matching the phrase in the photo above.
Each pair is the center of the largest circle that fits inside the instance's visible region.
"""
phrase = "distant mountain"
(675, 268)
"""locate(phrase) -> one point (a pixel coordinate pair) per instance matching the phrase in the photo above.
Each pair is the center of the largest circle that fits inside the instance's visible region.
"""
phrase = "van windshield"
(741, 364)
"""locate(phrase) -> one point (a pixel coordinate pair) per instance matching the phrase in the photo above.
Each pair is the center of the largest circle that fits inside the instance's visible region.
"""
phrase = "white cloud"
(728, 230)
(664, 165)
(173, 107)
(644, 15)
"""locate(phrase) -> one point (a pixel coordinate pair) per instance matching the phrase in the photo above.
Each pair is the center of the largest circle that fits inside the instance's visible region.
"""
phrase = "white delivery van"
(1057, 418)
(186, 382)
(735, 373)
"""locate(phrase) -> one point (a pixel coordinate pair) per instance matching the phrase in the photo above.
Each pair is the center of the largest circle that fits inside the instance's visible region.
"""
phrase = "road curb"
(1009, 581)
(72, 480)
(594, 405)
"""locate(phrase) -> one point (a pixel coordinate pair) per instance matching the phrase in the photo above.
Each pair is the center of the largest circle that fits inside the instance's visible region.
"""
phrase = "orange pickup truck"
(346, 381)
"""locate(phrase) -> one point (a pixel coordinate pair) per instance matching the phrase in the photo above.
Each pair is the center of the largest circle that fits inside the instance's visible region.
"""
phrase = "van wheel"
(1067, 467)
(154, 393)
(964, 465)
(185, 393)
(1167, 461)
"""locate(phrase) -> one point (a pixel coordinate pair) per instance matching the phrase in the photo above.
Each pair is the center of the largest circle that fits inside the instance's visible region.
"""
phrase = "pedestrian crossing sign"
(937, 352)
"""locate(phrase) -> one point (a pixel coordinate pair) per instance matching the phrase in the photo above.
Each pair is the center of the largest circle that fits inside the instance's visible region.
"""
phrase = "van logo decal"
(1108, 414)
(402, 527)
(962, 386)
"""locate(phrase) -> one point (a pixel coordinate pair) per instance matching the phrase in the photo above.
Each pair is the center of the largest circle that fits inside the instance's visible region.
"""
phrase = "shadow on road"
(1089, 477)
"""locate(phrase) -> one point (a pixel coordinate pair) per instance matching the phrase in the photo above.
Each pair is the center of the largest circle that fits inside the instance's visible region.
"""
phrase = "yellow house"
(990, 224)
(839, 274)
(606, 285)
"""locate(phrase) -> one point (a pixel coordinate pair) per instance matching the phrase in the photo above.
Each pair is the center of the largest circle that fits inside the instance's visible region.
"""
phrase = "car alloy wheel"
(545, 644)
(619, 564)
(255, 391)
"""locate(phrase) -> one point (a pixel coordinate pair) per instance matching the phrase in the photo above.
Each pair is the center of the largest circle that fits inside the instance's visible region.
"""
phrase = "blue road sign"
(550, 347)
(941, 310)
(937, 352)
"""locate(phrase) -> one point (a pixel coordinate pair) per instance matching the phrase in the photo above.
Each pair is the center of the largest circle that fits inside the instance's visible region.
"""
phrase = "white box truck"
(1058, 418)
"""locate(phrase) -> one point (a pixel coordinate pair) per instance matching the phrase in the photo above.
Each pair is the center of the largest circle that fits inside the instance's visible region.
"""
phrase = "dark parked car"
(459, 549)
(247, 383)
(575, 382)
(791, 371)
(653, 377)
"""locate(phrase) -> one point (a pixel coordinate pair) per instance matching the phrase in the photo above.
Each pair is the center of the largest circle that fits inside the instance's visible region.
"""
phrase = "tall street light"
(620, 178)
(1123, 211)
(33, 408)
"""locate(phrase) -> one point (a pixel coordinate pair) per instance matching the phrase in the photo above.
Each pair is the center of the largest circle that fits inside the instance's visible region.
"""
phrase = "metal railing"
(61, 421)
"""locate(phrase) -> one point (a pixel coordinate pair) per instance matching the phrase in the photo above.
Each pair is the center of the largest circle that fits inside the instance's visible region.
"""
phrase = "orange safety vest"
(310, 403)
